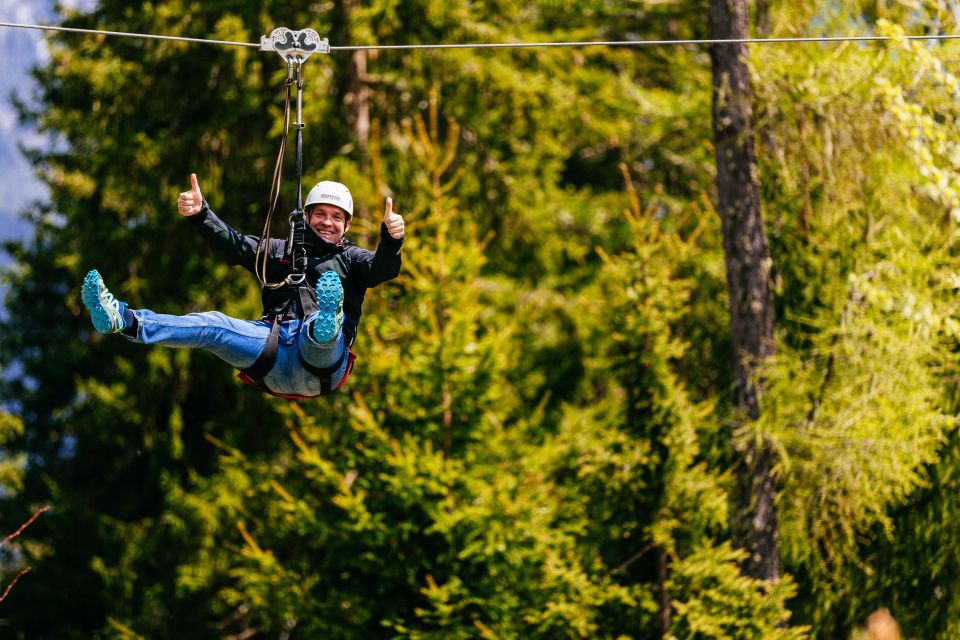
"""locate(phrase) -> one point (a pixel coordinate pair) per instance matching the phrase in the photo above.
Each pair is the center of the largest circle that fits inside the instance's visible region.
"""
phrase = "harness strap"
(325, 383)
(326, 373)
(254, 374)
(268, 356)
(260, 385)
(296, 250)
(308, 305)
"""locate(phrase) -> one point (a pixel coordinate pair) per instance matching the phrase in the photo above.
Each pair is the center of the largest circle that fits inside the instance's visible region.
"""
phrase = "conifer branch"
(237, 614)
(13, 535)
(24, 525)
(450, 148)
(10, 586)
(629, 561)
(831, 359)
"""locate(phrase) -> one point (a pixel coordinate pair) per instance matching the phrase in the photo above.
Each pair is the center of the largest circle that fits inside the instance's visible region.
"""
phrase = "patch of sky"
(21, 50)
(20, 189)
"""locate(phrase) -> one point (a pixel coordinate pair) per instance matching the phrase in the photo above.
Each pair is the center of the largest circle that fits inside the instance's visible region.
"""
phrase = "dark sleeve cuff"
(199, 218)
(387, 240)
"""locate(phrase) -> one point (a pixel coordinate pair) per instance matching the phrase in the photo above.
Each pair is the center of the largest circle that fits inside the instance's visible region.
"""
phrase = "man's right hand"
(190, 202)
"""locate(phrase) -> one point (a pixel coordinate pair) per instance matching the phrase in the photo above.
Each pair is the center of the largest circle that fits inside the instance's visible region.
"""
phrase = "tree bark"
(762, 19)
(358, 96)
(755, 525)
(354, 89)
(663, 593)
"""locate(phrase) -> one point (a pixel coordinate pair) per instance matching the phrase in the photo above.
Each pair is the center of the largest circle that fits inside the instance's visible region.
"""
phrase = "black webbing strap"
(308, 304)
(325, 374)
(268, 356)
(298, 252)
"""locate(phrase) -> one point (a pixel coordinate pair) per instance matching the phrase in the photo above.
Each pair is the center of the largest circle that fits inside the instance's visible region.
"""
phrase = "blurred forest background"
(546, 435)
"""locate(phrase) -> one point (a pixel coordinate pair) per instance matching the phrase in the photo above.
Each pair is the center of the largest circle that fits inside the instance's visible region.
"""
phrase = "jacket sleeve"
(237, 249)
(377, 267)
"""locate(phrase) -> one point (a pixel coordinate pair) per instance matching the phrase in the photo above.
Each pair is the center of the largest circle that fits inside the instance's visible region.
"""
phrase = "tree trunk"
(763, 18)
(354, 90)
(663, 593)
(358, 99)
(755, 525)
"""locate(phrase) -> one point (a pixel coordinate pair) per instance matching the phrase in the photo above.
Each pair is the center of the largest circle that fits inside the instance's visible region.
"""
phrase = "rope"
(506, 45)
(263, 246)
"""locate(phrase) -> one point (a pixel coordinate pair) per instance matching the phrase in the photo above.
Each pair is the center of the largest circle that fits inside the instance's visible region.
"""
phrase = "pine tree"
(857, 178)
(630, 463)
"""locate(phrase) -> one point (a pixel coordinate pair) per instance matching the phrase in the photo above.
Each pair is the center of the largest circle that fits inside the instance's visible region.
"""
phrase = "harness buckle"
(294, 46)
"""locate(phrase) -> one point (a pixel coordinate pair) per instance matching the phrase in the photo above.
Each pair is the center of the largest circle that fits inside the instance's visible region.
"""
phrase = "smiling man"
(312, 339)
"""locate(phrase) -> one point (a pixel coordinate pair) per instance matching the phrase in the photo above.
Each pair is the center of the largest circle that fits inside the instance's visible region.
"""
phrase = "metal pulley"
(294, 46)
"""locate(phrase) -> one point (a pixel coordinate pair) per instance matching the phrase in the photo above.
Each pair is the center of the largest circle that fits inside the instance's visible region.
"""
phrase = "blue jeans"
(239, 342)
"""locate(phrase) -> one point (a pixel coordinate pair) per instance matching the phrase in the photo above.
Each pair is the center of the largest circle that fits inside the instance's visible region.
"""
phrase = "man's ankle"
(130, 323)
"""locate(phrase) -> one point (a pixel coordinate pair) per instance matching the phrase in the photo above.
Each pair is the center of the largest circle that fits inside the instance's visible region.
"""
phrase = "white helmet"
(331, 193)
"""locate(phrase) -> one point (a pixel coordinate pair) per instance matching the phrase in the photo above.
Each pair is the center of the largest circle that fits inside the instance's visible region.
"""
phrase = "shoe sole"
(91, 299)
(329, 298)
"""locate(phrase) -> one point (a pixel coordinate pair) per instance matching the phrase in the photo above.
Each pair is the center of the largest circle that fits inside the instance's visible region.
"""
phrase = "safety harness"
(294, 47)
(254, 374)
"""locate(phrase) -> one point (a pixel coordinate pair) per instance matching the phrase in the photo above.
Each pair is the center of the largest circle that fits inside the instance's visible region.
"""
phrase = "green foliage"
(722, 603)
(860, 183)
(678, 503)
(11, 468)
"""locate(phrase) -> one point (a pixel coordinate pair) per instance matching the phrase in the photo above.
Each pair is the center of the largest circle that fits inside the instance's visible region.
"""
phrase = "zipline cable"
(506, 45)
(639, 43)
(148, 36)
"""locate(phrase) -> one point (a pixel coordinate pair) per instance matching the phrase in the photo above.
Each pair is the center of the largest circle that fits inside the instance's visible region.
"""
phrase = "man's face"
(328, 221)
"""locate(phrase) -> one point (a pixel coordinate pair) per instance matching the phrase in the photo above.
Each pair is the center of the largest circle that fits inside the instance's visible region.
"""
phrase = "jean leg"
(237, 342)
(320, 355)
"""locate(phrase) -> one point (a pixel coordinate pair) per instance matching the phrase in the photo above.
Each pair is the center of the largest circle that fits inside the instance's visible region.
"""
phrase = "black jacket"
(358, 268)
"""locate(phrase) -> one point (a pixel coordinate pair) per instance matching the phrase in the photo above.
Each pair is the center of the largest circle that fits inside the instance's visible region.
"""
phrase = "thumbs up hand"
(393, 221)
(190, 203)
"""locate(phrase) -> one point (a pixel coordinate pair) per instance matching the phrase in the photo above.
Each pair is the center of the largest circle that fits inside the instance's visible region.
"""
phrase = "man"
(313, 353)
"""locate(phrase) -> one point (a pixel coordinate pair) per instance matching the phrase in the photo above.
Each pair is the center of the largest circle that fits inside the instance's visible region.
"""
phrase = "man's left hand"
(393, 221)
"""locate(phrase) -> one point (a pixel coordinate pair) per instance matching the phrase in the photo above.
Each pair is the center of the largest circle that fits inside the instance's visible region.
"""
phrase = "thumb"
(194, 185)
(388, 211)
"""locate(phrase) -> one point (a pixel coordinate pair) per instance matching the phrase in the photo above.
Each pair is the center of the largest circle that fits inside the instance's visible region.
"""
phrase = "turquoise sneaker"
(105, 310)
(330, 301)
